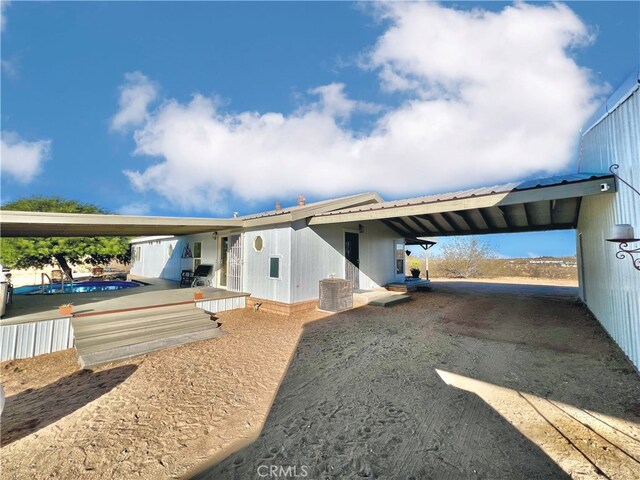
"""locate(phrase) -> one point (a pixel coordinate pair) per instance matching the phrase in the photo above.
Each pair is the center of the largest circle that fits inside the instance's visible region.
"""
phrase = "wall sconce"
(623, 235)
(215, 235)
(360, 228)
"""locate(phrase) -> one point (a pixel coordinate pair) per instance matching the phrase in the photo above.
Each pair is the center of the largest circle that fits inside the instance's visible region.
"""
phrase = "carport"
(544, 204)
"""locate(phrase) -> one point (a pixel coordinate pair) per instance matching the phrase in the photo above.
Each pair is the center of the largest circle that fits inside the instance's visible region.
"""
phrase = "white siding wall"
(318, 252)
(611, 287)
(155, 261)
(255, 272)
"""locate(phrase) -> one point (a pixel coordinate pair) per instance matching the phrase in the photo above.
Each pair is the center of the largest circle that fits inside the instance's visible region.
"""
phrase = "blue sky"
(207, 108)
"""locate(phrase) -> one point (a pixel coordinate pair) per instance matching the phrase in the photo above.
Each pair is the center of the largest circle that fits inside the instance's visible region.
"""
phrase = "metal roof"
(543, 204)
(323, 205)
(475, 192)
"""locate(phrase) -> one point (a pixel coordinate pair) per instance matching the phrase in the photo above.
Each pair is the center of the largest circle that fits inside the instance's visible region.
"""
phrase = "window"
(137, 254)
(399, 258)
(197, 254)
(274, 267)
(258, 244)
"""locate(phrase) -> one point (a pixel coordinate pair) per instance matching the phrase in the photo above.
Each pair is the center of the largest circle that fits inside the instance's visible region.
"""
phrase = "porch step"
(389, 301)
(116, 336)
(409, 286)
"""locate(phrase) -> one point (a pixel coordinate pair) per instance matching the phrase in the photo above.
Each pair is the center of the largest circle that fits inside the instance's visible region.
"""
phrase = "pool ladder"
(44, 275)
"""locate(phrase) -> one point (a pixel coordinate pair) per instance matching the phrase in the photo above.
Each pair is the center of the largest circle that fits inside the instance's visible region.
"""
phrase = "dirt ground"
(470, 380)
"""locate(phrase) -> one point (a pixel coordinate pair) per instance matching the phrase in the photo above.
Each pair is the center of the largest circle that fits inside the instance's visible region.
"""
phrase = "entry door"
(234, 264)
(352, 258)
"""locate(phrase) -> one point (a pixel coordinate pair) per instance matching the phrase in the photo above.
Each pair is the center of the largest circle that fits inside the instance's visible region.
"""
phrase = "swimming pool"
(80, 287)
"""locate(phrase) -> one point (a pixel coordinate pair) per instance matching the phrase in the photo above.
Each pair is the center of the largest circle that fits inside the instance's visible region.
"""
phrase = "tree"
(38, 252)
(463, 257)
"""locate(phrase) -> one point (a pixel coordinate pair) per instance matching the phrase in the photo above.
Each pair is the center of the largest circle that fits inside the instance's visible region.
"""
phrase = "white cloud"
(490, 97)
(3, 14)
(22, 160)
(135, 96)
(136, 208)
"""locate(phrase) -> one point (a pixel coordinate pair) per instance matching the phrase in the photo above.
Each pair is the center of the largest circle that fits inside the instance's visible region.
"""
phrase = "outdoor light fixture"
(360, 228)
(623, 234)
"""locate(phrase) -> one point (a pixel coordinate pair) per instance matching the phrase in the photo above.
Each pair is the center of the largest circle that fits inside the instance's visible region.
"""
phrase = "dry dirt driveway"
(538, 391)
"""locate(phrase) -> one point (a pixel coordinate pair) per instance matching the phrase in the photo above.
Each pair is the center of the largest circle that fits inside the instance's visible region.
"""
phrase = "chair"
(186, 278)
(56, 276)
(97, 271)
(202, 276)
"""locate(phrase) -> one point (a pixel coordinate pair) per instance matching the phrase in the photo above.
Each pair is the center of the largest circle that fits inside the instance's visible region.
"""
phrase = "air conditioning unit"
(336, 294)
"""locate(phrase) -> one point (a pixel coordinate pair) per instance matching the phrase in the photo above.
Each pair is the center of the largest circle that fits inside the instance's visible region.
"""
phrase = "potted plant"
(414, 268)
(66, 309)
(198, 295)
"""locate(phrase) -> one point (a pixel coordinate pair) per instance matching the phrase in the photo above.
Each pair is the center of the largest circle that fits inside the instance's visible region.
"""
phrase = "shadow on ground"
(33, 409)
(362, 397)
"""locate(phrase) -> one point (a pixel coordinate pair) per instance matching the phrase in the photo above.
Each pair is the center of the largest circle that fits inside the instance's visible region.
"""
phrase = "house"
(278, 258)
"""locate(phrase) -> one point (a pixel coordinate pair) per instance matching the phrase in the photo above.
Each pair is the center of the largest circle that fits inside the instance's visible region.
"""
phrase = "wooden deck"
(108, 337)
(112, 325)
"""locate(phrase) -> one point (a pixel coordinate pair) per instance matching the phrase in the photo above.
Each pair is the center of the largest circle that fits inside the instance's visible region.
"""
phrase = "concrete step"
(94, 359)
(389, 301)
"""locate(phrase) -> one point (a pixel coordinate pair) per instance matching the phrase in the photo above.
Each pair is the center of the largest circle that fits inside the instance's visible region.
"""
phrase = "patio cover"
(543, 204)
(43, 224)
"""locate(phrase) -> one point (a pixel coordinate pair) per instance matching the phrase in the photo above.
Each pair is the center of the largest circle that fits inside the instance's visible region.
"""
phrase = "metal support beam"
(404, 224)
(577, 215)
(527, 213)
(446, 223)
(432, 221)
(421, 224)
(466, 216)
(505, 216)
(487, 219)
(394, 228)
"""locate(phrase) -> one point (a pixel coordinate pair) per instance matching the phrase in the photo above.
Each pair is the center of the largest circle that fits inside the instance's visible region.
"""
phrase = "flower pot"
(65, 310)
(415, 273)
(198, 295)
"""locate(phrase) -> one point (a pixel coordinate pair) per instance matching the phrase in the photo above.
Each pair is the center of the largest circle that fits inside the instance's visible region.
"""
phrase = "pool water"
(80, 287)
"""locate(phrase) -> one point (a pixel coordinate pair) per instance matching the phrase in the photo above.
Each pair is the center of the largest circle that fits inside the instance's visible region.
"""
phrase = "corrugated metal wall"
(609, 286)
(222, 305)
(318, 252)
(25, 340)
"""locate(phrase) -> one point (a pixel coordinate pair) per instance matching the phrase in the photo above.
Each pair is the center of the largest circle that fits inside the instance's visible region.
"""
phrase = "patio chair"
(202, 276)
(186, 278)
(56, 276)
(97, 271)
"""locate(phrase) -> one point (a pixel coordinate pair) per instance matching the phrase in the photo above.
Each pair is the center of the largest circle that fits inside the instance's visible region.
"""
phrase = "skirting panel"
(222, 304)
(26, 340)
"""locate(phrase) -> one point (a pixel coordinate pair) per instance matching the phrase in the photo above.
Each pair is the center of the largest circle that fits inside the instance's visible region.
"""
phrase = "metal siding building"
(610, 287)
